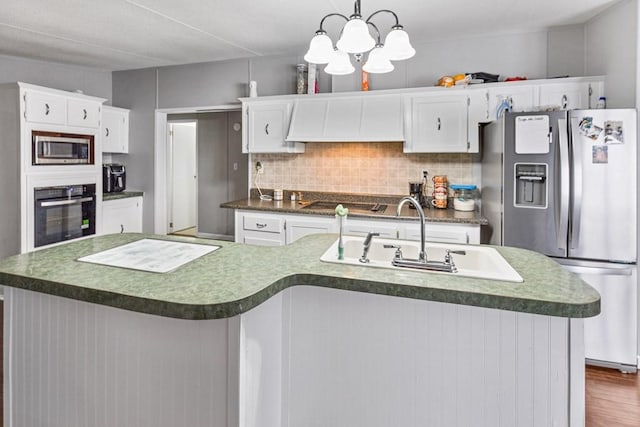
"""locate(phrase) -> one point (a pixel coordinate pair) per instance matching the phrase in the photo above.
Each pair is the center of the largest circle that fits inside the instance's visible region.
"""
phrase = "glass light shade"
(378, 62)
(320, 49)
(355, 37)
(340, 64)
(397, 45)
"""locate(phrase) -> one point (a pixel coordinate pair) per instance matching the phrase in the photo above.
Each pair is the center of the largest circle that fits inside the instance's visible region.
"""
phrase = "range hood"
(350, 118)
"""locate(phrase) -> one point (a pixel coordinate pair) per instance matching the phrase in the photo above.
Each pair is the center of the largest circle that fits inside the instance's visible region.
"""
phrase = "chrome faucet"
(422, 257)
(366, 246)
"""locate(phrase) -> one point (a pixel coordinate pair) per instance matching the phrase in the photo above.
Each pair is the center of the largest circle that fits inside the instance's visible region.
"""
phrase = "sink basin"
(481, 262)
(354, 207)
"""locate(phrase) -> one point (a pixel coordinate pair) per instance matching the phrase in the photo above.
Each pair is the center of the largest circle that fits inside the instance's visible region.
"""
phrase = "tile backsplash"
(357, 167)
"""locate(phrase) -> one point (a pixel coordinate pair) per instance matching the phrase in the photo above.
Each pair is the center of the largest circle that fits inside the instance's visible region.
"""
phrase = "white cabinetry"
(83, 113)
(569, 96)
(42, 107)
(272, 229)
(443, 233)
(437, 123)
(512, 96)
(122, 215)
(360, 117)
(267, 126)
(115, 130)
(298, 226)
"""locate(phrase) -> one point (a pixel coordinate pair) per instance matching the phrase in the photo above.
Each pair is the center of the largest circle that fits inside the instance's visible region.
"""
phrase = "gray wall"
(611, 41)
(540, 54)
(136, 90)
(219, 147)
(57, 76)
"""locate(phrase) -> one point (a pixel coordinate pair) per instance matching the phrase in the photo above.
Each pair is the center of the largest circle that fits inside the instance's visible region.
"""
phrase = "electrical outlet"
(259, 167)
(425, 174)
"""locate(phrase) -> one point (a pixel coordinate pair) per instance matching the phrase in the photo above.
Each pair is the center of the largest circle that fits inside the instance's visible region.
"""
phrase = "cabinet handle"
(107, 131)
(46, 109)
(260, 225)
(510, 103)
(565, 102)
(84, 117)
(266, 128)
(438, 123)
(121, 228)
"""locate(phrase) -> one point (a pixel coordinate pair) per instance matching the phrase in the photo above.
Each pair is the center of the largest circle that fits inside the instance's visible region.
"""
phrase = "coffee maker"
(416, 191)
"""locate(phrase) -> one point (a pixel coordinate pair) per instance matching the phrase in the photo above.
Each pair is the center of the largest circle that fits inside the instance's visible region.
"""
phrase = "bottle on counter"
(301, 79)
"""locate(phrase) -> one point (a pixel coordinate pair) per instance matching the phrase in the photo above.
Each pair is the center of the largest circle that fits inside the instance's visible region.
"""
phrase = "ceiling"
(129, 34)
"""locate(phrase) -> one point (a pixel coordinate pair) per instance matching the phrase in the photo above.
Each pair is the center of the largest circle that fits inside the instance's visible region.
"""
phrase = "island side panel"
(70, 363)
(369, 360)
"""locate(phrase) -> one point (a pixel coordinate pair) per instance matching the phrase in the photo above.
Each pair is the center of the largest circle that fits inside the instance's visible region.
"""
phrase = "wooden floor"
(189, 232)
(612, 398)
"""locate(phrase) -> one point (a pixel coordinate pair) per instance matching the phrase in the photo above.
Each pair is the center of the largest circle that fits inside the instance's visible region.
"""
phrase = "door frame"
(161, 159)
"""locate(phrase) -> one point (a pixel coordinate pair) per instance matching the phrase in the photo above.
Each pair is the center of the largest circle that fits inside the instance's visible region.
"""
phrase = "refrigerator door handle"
(574, 234)
(562, 187)
(600, 271)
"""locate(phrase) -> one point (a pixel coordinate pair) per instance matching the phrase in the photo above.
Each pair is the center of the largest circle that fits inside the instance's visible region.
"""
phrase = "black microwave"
(55, 148)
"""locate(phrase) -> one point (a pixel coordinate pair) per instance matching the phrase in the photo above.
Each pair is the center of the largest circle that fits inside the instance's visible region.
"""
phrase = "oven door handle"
(66, 202)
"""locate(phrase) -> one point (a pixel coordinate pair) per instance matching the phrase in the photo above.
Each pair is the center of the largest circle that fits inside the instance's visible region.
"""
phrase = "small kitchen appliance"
(114, 178)
(552, 182)
(56, 148)
(416, 191)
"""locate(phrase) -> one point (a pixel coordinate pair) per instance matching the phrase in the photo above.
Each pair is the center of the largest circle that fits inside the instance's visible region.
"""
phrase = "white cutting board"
(157, 256)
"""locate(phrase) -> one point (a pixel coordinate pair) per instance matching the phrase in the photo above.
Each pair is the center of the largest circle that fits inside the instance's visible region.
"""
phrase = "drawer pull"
(258, 225)
(46, 109)
(107, 131)
(84, 117)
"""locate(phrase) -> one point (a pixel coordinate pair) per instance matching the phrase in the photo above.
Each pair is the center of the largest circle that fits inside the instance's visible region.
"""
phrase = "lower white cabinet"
(272, 229)
(122, 215)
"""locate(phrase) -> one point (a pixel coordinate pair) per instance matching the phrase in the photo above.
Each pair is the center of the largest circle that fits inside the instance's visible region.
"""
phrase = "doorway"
(221, 172)
(183, 177)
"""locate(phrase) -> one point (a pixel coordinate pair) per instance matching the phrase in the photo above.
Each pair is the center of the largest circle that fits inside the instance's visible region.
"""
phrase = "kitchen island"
(252, 336)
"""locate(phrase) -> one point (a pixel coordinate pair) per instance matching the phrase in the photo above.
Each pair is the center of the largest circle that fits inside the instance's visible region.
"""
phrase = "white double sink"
(478, 261)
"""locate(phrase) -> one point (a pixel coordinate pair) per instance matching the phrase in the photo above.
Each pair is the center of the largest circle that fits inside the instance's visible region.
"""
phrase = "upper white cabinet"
(510, 97)
(267, 126)
(437, 123)
(83, 113)
(570, 96)
(362, 117)
(115, 129)
(42, 107)
(55, 107)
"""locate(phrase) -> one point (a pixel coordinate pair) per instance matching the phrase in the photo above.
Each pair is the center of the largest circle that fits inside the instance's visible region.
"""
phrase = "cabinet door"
(122, 215)
(568, 96)
(363, 227)
(438, 124)
(259, 229)
(445, 233)
(515, 98)
(299, 227)
(268, 125)
(83, 113)
(115, 130)
(45, 108)
(478, 113)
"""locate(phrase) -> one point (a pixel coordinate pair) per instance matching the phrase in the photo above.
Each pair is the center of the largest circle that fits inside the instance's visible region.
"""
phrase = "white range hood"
(362, 117)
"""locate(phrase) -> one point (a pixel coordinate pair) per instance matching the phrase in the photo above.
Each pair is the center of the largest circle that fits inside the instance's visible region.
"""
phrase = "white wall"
(610, 49)
(58, 76)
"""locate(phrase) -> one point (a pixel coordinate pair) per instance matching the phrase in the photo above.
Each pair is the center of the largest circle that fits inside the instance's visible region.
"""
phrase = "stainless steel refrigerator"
(564, 183)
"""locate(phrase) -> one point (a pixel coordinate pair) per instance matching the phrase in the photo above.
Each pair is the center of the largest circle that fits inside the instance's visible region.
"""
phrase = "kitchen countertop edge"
(579, 301)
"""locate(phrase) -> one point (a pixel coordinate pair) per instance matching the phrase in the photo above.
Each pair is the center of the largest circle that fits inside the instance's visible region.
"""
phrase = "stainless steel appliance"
(55, 148)
(63, 213)
(114, 178)
(565, 184)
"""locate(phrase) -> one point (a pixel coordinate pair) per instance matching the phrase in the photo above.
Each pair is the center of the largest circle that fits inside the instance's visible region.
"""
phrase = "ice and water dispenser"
(530, 185)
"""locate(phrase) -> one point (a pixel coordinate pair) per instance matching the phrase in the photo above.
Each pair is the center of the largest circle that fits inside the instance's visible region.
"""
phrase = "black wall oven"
(64, 213)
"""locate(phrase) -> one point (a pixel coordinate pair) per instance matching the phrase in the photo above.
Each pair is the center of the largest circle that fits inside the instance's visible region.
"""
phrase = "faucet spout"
(366, 246)
(408, 199)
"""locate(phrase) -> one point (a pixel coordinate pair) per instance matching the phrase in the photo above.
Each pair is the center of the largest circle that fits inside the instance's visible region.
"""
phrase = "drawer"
(45, 108)
(262, 223)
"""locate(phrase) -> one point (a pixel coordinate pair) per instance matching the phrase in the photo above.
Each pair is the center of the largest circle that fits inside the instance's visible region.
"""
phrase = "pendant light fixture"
(355, 38)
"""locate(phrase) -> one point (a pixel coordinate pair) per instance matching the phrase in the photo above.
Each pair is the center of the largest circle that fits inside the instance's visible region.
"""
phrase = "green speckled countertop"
(406, 214)
(238, 277)
(121, 195)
